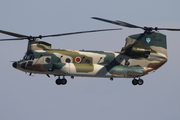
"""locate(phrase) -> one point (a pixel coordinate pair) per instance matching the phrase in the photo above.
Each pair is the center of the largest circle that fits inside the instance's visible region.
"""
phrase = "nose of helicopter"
(14, 64)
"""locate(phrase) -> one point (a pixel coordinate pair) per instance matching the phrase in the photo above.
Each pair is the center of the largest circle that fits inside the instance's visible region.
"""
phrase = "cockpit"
(28, 56)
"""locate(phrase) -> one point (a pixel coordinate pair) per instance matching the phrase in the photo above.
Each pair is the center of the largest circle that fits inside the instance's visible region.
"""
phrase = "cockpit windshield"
(28, 56)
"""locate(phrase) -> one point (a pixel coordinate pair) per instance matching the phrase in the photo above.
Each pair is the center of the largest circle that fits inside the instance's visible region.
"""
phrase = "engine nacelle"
(38, 45)
(136, 51)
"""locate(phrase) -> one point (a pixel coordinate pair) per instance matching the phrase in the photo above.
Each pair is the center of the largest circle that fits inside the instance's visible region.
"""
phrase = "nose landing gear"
(139, 81)
(60, 81)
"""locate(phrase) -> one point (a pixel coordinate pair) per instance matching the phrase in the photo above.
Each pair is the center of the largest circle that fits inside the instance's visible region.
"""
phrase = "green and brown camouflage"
(142, 54)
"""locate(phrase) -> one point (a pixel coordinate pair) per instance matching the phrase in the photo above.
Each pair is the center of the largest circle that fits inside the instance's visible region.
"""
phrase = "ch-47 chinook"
(143, 53)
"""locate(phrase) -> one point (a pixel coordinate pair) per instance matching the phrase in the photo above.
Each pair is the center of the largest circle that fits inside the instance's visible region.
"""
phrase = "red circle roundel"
(78, 59)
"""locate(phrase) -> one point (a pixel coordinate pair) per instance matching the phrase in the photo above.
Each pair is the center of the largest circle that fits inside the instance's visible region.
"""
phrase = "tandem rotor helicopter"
(143, 53)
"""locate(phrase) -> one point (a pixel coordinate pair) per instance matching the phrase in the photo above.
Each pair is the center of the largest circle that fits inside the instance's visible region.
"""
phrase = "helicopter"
(142, 54)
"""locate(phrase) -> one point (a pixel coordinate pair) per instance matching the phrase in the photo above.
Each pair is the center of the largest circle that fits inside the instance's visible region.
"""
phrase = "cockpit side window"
(31, 57)
(25, 57)
(28, 57)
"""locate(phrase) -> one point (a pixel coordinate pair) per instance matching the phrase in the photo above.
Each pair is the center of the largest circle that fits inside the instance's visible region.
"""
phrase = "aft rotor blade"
(105, 20)
(128, 25)
(55, 35)
(125, 24)
(118, 23)
(170, 29)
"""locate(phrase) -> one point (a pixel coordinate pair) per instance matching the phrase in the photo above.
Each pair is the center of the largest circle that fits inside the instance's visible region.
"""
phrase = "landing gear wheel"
(63, 81)
(58, 81)
(140, 81)
(134, 81)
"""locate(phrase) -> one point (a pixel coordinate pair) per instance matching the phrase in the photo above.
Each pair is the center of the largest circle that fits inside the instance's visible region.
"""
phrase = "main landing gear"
(60, 81)
(139, 81)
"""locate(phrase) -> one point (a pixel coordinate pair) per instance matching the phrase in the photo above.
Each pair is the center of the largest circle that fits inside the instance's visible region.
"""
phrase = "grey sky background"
(38, 98)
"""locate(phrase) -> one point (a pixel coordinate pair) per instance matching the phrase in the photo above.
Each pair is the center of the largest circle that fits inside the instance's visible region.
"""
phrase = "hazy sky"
(37, 97)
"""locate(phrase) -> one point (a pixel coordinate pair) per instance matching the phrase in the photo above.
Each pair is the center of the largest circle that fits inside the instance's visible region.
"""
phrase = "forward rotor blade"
(13, 39)
(55, 35)
(12, 34)
(22, 37)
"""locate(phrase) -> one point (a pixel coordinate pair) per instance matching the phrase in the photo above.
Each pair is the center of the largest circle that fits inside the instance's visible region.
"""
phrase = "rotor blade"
(13, 39)
(118, 23)
(105, 20)
(55, 35)
(170, 29)
(22, 37)
(12, 34)
(128, 25)
(121, 23)
(13, 61)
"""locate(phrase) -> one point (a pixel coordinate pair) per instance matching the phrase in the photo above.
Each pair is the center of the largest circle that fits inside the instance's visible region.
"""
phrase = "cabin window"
(87, 61)
(107, 62)
(68, 60)
(127, 63)
(48, 60)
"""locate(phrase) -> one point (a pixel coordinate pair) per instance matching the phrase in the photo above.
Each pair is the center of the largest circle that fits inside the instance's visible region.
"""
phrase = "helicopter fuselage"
(41, 59)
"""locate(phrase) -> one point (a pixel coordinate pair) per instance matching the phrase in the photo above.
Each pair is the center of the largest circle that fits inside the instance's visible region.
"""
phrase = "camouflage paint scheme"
(143, 53)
